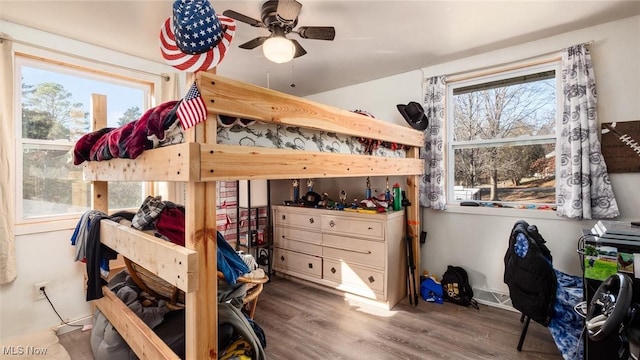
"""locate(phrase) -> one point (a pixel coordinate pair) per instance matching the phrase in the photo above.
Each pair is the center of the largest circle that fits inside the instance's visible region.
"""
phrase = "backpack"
(247, 344)
(456, 288)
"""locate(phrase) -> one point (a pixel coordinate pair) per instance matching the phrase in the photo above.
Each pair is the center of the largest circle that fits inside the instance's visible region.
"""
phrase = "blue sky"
(119, 97)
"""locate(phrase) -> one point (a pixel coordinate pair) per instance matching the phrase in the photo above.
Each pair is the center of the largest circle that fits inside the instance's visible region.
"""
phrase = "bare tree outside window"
(503, 139)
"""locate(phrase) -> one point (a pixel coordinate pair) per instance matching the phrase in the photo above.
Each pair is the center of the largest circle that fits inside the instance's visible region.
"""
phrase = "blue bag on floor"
(431, 291)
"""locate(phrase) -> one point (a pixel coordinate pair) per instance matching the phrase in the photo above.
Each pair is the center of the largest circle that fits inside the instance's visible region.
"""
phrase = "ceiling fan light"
(278, 49)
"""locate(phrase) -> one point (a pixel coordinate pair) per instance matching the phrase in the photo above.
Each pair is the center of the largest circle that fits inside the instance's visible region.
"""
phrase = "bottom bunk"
(147, 309)
(164, 325)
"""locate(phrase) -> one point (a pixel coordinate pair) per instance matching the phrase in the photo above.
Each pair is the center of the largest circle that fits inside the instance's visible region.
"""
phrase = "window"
(501, 147)
(53, 105)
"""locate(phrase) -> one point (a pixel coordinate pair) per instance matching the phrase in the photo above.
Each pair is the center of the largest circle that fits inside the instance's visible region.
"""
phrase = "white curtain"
(583, 187)
(432, 183)
(8, 269)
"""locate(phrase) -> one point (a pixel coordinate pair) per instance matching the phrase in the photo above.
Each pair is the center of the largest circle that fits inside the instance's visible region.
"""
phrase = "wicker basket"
(162, 289)
(155, 285)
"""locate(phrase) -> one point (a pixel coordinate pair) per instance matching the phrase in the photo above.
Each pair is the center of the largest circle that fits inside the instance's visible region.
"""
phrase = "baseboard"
(493, 298)
(78, 324)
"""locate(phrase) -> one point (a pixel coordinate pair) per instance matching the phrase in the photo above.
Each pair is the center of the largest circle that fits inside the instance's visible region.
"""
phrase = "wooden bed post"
(99, 193)
(413, 195)
(201, 329)
(201, 235)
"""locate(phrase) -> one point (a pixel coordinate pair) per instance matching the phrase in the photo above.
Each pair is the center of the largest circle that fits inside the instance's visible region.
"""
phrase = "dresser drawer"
(348, 249)
(373, 228)
(352, 277)
(291, 262)
(299, 219)
(297, 234)
(298, 240)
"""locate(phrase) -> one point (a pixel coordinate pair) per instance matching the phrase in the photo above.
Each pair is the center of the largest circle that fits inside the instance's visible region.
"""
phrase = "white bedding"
(290, 137)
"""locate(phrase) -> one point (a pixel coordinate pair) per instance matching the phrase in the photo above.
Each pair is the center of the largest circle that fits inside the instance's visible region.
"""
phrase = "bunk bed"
(199, 162)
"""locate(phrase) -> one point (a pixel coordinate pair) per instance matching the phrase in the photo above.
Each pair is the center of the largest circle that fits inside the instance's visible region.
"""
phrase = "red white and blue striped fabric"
(192, 109)
(195, 62)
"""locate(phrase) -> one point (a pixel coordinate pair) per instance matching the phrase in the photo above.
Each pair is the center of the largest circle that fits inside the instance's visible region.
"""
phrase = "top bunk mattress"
(251, 133)
(159, 127)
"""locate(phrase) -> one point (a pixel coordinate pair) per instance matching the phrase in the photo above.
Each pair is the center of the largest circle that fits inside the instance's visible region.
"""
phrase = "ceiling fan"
(280, 17)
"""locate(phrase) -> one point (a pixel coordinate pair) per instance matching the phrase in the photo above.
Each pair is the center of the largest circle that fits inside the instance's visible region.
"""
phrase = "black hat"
(311, 199)
(414, 114)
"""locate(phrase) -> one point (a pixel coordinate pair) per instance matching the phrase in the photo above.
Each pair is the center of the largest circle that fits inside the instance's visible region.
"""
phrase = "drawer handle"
(333, 270)
(310, 266)
(284, 217)
(300, 240)
(282, 258)
(371, 279)
(311, 221)
(369, 228)
(366, 252)
(332, 223)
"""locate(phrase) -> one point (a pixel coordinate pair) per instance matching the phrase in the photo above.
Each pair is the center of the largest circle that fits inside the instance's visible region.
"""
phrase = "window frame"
(496, 75)
(50, 61)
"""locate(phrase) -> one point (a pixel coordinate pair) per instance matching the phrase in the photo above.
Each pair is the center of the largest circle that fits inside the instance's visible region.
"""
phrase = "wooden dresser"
(356, 253)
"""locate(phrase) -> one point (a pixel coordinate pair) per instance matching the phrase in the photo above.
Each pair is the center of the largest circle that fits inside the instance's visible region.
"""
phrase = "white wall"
(379, 97)
(41, 257)
(477, 238)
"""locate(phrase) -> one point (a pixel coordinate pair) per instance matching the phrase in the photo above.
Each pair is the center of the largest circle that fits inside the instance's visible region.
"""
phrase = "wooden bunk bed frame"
(200, 162)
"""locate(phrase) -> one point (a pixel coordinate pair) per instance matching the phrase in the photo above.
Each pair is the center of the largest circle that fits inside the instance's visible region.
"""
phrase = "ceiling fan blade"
(243, 18)
(252, 44)
(317, 32)
(299, 49)
(288, 10)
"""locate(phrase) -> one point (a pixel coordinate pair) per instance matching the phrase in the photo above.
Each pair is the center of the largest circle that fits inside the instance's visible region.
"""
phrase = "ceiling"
(374, 39)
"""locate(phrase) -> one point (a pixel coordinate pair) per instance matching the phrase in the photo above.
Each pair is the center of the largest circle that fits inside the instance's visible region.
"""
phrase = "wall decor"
(621, 146)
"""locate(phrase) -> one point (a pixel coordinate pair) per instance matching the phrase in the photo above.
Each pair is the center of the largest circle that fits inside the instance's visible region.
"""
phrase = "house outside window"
(53, 107)
(502, 137)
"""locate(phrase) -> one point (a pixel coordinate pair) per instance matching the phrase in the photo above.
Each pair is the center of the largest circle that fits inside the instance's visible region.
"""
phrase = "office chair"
(540, 292)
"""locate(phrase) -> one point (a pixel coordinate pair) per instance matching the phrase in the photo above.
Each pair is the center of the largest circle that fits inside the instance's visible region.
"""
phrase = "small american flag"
(192, 109)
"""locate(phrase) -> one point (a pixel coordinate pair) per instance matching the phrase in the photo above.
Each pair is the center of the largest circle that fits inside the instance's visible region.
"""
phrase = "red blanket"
(128, 141)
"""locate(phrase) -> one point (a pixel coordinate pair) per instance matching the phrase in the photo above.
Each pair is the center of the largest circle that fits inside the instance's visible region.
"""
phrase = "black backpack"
(456, 288)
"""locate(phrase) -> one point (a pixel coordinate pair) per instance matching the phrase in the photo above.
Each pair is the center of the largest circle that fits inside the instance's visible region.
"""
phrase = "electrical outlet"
(37, 293)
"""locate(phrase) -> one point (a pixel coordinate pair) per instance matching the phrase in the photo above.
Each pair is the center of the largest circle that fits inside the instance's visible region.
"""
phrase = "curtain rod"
(3, 38)
(514, 65)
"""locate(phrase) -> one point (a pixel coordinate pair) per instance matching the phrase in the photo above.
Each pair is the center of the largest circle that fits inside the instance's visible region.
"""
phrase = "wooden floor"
(302, 322)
